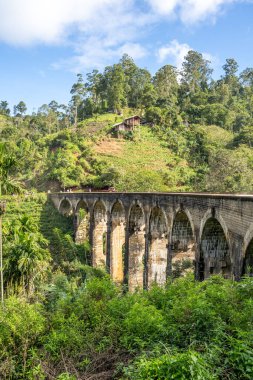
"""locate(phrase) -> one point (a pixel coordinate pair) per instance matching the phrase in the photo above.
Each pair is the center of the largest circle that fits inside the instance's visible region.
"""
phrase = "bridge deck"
(183, 194)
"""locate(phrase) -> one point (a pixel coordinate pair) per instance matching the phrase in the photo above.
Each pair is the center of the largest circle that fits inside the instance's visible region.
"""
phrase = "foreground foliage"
(187, 330)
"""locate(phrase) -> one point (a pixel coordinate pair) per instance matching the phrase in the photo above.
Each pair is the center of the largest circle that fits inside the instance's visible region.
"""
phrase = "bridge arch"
(215, 253)
(158, 247)
(136, 230)
(117, 241)
(247, 253)
(65, 207)
(99, 237)
(182, 242)
(82, 221)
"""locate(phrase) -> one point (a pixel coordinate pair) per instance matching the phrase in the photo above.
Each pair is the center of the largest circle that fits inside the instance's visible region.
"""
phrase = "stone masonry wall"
(150, 237)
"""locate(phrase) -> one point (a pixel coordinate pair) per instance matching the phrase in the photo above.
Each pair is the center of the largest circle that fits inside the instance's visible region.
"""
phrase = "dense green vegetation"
(91, 330)
(197, 133)
(63, 319)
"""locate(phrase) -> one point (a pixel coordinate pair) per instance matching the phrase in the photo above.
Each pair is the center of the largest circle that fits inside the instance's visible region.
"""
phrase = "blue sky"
(44, 43)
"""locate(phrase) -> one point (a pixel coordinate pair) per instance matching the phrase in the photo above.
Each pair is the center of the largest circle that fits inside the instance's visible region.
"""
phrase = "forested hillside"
(196, 132)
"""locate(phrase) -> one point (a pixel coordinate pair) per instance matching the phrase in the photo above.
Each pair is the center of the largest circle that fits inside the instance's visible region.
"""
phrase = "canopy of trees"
(198, 119)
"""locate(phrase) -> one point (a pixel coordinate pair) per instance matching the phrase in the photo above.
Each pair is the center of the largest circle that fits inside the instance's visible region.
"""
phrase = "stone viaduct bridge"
(139, 237)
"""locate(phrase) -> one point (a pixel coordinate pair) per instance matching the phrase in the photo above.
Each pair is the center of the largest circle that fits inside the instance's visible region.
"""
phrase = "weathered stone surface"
(136, 247)
(139, 236)
(82, 221)
(158, 247)
(99, 235)
(118, 222)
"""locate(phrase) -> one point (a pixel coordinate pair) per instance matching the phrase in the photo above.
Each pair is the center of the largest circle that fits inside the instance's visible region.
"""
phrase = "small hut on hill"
(127, 125)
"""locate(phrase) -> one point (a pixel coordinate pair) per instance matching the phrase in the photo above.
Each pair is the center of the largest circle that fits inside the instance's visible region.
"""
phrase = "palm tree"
(7, 163)
(7, 186)
(2, 211)
(27, 256)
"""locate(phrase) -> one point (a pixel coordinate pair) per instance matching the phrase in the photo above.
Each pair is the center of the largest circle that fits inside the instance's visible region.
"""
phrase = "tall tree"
(194, 87)
(129, 68)
(246, 77)
(53, 105)
(115, 88)
(141, 82)
(94, 87)
(230, 78)
(7, 164)
(20, 109)
(4, 108)
(230, 68)
(78, 92)
(196, 71)
(149, 96)
(166, 85)
(27, 256)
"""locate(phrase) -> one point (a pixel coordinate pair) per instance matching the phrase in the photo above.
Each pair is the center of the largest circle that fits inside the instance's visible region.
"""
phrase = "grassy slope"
(143, 164)
(40, 210)
(100, 124)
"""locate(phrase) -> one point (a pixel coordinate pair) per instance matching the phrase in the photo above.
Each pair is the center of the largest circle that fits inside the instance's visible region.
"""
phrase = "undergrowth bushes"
(186, 330)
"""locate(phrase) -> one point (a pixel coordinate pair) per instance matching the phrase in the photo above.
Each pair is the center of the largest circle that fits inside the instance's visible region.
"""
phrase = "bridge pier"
(81, 222)
(117, 243)
(99, 241)
(136, 248)
(157, 248)
(141, 237)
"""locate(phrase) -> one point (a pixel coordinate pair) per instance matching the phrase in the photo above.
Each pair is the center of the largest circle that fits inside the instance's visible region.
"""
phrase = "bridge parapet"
(142, 237)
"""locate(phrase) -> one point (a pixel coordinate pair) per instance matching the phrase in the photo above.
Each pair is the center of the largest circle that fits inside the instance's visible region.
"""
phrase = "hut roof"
(132, 117)
(115, 125)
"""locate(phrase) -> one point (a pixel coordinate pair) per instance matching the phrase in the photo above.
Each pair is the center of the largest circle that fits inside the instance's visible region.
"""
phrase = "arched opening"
(99, 235)
(117, 242)
(82, 222)
(66, 208)
(247, 268)
(136, 248)
(157, 258)
(182, 245)
(214, 251)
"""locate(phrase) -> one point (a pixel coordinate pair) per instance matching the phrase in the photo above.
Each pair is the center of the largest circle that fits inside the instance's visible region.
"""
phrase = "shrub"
(22, 325)
(240, 357)
(180, 366)
(143, 326)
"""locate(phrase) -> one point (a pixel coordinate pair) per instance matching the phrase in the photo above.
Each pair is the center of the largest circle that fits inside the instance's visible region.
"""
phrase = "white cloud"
(24, 22)
(50, 21)
(189, 11)
(163, 7)
(199, 10)
(97, 31)
(95, 53)
(176, 52)
(135, 50)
